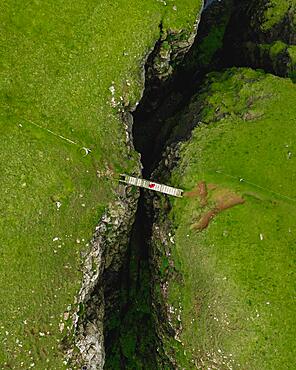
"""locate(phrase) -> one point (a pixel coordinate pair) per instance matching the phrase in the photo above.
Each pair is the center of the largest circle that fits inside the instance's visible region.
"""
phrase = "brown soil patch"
(205, 219)
(212, 186)
(201, 192)
(251, 115)
(224, 199)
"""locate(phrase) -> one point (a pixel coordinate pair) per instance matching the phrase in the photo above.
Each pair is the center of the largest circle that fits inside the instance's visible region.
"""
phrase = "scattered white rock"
(113, 102)
(112, 89)
(61, 326)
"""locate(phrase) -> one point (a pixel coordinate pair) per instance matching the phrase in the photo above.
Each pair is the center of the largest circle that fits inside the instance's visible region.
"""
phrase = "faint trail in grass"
(51, 132)
(82, 148)
(240, 179)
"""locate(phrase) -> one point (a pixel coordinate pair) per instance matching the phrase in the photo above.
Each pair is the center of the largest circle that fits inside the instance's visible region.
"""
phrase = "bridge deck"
(151, 185)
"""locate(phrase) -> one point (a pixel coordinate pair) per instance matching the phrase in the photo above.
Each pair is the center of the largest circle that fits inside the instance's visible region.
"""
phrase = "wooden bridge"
(151, 185)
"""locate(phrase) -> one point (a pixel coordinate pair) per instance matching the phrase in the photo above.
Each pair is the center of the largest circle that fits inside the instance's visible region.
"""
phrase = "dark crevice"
(130, 331)
(165, 98)
(130, 336)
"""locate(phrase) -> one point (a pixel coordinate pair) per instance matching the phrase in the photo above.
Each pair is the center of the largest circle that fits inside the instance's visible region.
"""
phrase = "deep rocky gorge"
(110, 280)
(125, 320)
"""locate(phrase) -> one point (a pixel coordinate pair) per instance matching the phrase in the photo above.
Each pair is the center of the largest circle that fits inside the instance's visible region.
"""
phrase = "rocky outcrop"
(106, 255)
(166, 317)
(261, 34)
(169, 52)
(161, 70)
(161, 64)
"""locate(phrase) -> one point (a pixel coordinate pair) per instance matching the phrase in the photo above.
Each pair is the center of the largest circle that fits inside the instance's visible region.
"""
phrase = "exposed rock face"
(260, 34)
(168, 53)
(162, 241)
(108, 249)
(160, 71)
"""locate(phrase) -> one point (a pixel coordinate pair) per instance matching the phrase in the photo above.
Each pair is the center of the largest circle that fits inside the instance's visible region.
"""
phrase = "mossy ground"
(275, 12)
(237, 291)
(292, 66)
(58, 62)
(278, 55)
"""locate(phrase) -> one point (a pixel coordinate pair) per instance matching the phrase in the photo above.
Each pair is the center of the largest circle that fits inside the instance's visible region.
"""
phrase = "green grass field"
(237, 292)
(61, 64)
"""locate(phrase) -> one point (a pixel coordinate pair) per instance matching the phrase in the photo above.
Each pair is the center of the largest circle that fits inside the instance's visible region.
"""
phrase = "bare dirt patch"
(200, 191)
(220, 200)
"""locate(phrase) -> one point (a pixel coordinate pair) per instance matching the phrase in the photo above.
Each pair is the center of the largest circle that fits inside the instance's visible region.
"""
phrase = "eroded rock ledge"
(108, 249)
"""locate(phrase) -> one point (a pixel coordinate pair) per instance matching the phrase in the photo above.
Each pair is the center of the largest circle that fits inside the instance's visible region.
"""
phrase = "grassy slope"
(238, 290)
(58, 60)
